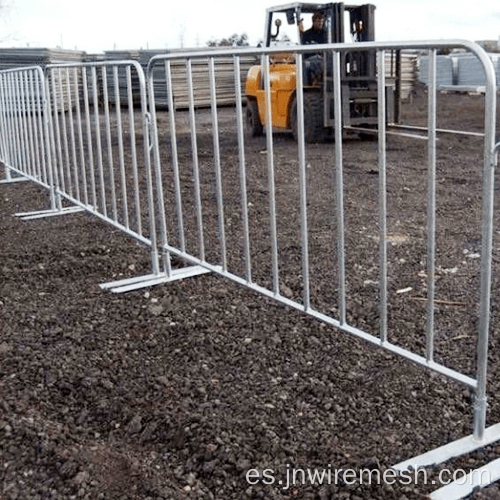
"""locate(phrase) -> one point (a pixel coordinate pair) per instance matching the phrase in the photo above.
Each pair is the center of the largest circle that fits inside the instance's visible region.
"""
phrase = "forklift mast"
(358, 69)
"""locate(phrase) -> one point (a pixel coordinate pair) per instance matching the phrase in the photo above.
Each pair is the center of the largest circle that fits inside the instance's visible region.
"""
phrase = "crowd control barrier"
(177, 184)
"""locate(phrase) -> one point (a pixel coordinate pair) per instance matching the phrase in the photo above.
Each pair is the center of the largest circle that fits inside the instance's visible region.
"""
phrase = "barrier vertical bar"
(135, 174)
(12, 121)
(174, 155)
(58, 183)
(15, 122)
(431, 205)
(56, 132)
(20, 117)
(159, 182)
(270, 173)
(97, 124)
(6, 128)
(5, 136)
(88, 128)
(42, 112)
(72, 135)
(30, 147)
(66, 166)
(8, 121)
(22, 125)
(302, 182)
(339, 185)
(48, 137)
(382, 194)
(121, 159)
(217, 162)
(107, 124)
(196, 172)
(2, 123)
(79, 128)
(20, 81)
(243, 182)
(26, 124)
(20, 131)
(35, 113)
(486, 248)
(146, 130)
(16, 160)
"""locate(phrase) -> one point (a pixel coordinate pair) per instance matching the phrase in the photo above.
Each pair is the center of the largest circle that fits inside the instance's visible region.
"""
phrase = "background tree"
(234, 40)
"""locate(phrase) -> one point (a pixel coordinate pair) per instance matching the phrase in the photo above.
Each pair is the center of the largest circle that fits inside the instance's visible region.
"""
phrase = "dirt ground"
(178, 391)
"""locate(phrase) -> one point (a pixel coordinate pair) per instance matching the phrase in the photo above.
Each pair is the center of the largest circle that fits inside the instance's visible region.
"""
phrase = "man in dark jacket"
(316, 34)
(313, 63)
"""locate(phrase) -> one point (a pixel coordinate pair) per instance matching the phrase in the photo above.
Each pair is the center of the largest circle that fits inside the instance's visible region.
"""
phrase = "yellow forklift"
(285, 27)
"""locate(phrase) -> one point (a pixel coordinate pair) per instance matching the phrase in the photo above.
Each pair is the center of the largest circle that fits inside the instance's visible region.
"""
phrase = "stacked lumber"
(224, 77)
(408, 71)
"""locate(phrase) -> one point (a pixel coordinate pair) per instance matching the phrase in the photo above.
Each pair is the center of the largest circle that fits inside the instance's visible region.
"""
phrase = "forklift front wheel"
(252, 120)
(314, 129)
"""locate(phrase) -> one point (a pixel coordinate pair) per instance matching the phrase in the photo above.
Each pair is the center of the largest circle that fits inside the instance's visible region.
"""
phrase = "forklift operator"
(316, 34)
(313, 63)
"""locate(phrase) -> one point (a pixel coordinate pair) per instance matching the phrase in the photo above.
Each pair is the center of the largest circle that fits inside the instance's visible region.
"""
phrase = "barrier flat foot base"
(127, 285)
(15, 179)
(464, 485)
(451, 450)
(40, 214)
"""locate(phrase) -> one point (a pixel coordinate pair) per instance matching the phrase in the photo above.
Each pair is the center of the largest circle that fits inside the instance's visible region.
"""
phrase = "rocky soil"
(179, 391)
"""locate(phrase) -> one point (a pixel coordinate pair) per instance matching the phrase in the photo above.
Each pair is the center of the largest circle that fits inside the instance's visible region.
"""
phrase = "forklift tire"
(253, 125)
(314, 130)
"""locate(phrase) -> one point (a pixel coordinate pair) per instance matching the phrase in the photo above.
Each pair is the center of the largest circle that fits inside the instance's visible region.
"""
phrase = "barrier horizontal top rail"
(342, 47)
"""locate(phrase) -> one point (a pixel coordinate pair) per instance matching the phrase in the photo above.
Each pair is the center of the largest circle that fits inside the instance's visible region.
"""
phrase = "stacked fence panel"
(458, 71)
(444, 71)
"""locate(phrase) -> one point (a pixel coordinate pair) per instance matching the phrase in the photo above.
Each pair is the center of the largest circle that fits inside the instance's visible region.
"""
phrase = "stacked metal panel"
(16, 58)
(122, 55)
(470, 71)
(461, 71)
(159, 81)
(444, 71)
(66, 93)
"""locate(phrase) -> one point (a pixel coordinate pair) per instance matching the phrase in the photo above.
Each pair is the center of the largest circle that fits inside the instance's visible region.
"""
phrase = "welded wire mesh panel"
(99, 142)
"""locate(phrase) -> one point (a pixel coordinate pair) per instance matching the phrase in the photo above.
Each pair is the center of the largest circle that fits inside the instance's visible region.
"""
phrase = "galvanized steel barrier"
(24, 126)
(199, 244)
(83, 132)
(174, 195)
(100, 144)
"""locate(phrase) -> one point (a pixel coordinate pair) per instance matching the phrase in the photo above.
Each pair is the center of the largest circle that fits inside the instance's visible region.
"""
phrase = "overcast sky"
(98, 25)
